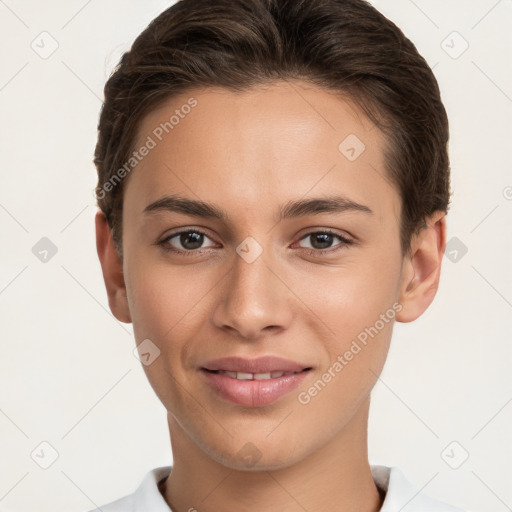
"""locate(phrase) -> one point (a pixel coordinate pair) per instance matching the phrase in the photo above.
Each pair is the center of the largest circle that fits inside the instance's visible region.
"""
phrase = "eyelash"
(310, 252)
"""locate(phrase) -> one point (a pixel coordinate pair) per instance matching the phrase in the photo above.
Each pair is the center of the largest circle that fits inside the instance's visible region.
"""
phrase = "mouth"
(254, 389)
(262, 365)
(255, 376)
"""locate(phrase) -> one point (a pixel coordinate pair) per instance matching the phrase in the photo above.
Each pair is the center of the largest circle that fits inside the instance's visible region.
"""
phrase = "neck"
(336, 477)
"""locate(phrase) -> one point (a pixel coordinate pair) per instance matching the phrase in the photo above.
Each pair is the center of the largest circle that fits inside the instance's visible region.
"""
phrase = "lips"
(252, 376)
(264, 364)
(253, 382)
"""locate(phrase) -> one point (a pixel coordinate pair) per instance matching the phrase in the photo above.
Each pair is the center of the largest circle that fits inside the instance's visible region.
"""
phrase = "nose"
(253, 299)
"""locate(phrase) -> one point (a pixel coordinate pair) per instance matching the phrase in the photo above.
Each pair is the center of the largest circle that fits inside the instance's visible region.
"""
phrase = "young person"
(273, 181)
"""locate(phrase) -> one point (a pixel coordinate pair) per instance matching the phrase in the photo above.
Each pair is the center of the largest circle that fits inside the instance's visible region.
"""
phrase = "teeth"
(244, 376)
(262, 376)
(255, 376)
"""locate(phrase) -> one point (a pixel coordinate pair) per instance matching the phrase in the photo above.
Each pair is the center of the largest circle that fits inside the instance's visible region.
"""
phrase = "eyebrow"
(292, 209)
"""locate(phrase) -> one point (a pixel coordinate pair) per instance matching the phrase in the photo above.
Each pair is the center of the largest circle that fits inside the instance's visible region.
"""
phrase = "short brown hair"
(342, 45)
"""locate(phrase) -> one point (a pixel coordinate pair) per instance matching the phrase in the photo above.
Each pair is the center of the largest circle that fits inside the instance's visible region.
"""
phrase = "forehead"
(285, 139)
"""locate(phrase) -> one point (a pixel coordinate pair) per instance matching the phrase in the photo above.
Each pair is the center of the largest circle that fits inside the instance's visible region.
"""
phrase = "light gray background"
(68, 375)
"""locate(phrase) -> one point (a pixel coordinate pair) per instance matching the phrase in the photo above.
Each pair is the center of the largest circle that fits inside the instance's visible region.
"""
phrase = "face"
(297, 257)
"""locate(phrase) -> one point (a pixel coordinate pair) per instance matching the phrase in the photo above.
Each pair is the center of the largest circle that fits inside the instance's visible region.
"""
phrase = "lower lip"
(254, 393)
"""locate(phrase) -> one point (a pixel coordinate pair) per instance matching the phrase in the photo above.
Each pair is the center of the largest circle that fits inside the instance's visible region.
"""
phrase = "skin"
(250, 153)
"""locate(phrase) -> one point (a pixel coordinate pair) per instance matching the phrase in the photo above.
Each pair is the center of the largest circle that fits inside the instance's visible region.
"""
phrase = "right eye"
(190, 241)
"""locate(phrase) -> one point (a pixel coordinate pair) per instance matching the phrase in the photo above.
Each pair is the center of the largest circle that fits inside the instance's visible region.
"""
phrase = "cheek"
(357, 308)
(167, 306)
(163, 299)
(162, 307)
(348, 298)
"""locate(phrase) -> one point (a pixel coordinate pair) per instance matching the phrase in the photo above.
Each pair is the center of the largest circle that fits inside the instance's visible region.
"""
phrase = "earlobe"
(422, 269)
(112, 269)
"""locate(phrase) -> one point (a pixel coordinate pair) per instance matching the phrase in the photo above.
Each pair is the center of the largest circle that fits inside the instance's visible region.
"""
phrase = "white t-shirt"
(401, 495)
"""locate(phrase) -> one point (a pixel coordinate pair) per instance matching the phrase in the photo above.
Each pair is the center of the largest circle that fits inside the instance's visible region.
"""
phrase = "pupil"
(323, 238)
(196, 238)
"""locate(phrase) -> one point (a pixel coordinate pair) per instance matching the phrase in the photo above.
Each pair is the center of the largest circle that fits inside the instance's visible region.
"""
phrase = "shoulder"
(401, 494)
(146, 497)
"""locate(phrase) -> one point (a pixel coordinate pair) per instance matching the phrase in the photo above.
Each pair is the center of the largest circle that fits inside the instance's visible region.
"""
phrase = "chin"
(263, 455)
(264, 463)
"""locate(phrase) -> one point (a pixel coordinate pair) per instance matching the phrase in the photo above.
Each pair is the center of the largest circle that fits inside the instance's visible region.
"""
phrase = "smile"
(253, 389)
(252, 376)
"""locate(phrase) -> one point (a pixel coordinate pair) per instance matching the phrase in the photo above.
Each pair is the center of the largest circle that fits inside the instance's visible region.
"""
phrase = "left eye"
(322, 240)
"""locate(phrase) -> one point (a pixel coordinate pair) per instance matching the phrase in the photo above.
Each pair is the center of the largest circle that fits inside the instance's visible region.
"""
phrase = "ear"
(112, 270)
(421, 269)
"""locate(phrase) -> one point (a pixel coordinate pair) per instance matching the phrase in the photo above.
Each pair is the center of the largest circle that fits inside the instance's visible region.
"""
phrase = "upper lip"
(264, 364)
